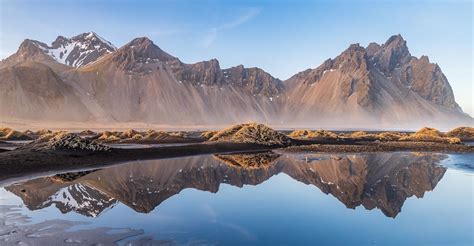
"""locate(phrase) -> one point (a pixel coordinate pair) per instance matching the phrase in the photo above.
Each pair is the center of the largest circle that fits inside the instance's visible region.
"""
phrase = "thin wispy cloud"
(248, 15)
(211, 34)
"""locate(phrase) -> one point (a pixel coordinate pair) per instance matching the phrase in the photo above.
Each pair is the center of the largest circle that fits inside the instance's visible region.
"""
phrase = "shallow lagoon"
(266, 198)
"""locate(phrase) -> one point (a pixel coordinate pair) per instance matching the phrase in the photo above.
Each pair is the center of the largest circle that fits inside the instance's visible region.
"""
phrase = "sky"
(282, 37)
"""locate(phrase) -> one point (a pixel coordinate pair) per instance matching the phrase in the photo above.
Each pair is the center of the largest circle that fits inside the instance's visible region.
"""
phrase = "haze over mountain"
(85, 78)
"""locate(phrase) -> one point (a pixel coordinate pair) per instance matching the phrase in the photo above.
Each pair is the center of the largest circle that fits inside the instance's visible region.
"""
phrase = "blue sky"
(282, 37)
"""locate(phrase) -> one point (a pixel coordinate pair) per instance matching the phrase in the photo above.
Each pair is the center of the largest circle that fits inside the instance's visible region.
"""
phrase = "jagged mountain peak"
(372, 81)
(392, 54)
(80, 50)
(77, 51)
(352, 51)
(60, 40)
(350, 60)
(396, 40)
(396, 44)
(84, 38)
(372, 49)
(425, 59)
(139, 51)
(141, 41)
(29, 51)
(354, 48)
(31, 47)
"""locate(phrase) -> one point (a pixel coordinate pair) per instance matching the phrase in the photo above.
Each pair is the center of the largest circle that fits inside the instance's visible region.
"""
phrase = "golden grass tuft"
(29, 132)
(154, 135)
(462, 133)
(361, 134)
(299, 134)
(389, 136)
(43, 131)
(252, 133)
(427, 134)
(108, 136)
(129, 133)
(313, 134)
(11, 134)
(428, 131)
(4, 131)
(87, 133)
(248, 161)
(207, 134)
(324, 134)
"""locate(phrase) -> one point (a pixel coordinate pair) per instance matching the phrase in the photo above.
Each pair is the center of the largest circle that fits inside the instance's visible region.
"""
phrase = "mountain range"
(87, 79)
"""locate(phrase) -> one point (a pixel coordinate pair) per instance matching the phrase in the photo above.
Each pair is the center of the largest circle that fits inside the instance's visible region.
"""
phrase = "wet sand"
(383, 147)
(23, 162)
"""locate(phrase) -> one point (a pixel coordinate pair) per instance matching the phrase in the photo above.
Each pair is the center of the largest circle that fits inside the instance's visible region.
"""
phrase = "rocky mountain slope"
(32, 90)
(141, 82)
(378, 85)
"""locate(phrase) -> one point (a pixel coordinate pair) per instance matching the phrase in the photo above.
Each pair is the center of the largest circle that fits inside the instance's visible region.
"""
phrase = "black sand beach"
(24, 161)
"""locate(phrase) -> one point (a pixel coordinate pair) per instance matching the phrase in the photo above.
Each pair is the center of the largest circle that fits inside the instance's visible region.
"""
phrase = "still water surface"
(267, 198)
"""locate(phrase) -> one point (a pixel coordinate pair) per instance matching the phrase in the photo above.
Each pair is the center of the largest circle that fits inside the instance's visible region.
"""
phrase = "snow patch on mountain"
(79, 50)
(82, 199)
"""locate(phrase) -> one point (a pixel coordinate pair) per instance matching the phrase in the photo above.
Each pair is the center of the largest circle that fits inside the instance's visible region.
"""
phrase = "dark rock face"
(355, 80)
(393, 54)
(139, 51)
(354, 61)
(254, 81)
(428, 81)
(202, 73)
(419, 75)
(137, 56)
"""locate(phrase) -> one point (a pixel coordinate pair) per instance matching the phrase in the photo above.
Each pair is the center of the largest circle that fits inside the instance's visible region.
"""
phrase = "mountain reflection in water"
(377, 180)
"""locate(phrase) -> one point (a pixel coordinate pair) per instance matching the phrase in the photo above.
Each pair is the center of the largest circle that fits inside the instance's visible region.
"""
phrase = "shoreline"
(51, 160)
(390, 146)
(60, 160)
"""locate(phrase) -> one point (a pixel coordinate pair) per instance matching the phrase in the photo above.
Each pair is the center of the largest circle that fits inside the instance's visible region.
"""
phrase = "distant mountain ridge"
(377, 85)
(77, 51)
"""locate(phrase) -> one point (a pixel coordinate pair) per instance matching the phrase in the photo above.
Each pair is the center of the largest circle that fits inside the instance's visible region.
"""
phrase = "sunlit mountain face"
(86, 79)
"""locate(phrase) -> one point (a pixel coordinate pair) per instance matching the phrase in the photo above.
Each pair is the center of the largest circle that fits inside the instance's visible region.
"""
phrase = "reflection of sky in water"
(463, 162)
(282, 210)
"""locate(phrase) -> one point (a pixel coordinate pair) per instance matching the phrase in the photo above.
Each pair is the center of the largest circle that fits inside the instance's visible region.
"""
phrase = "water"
(261, 199)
